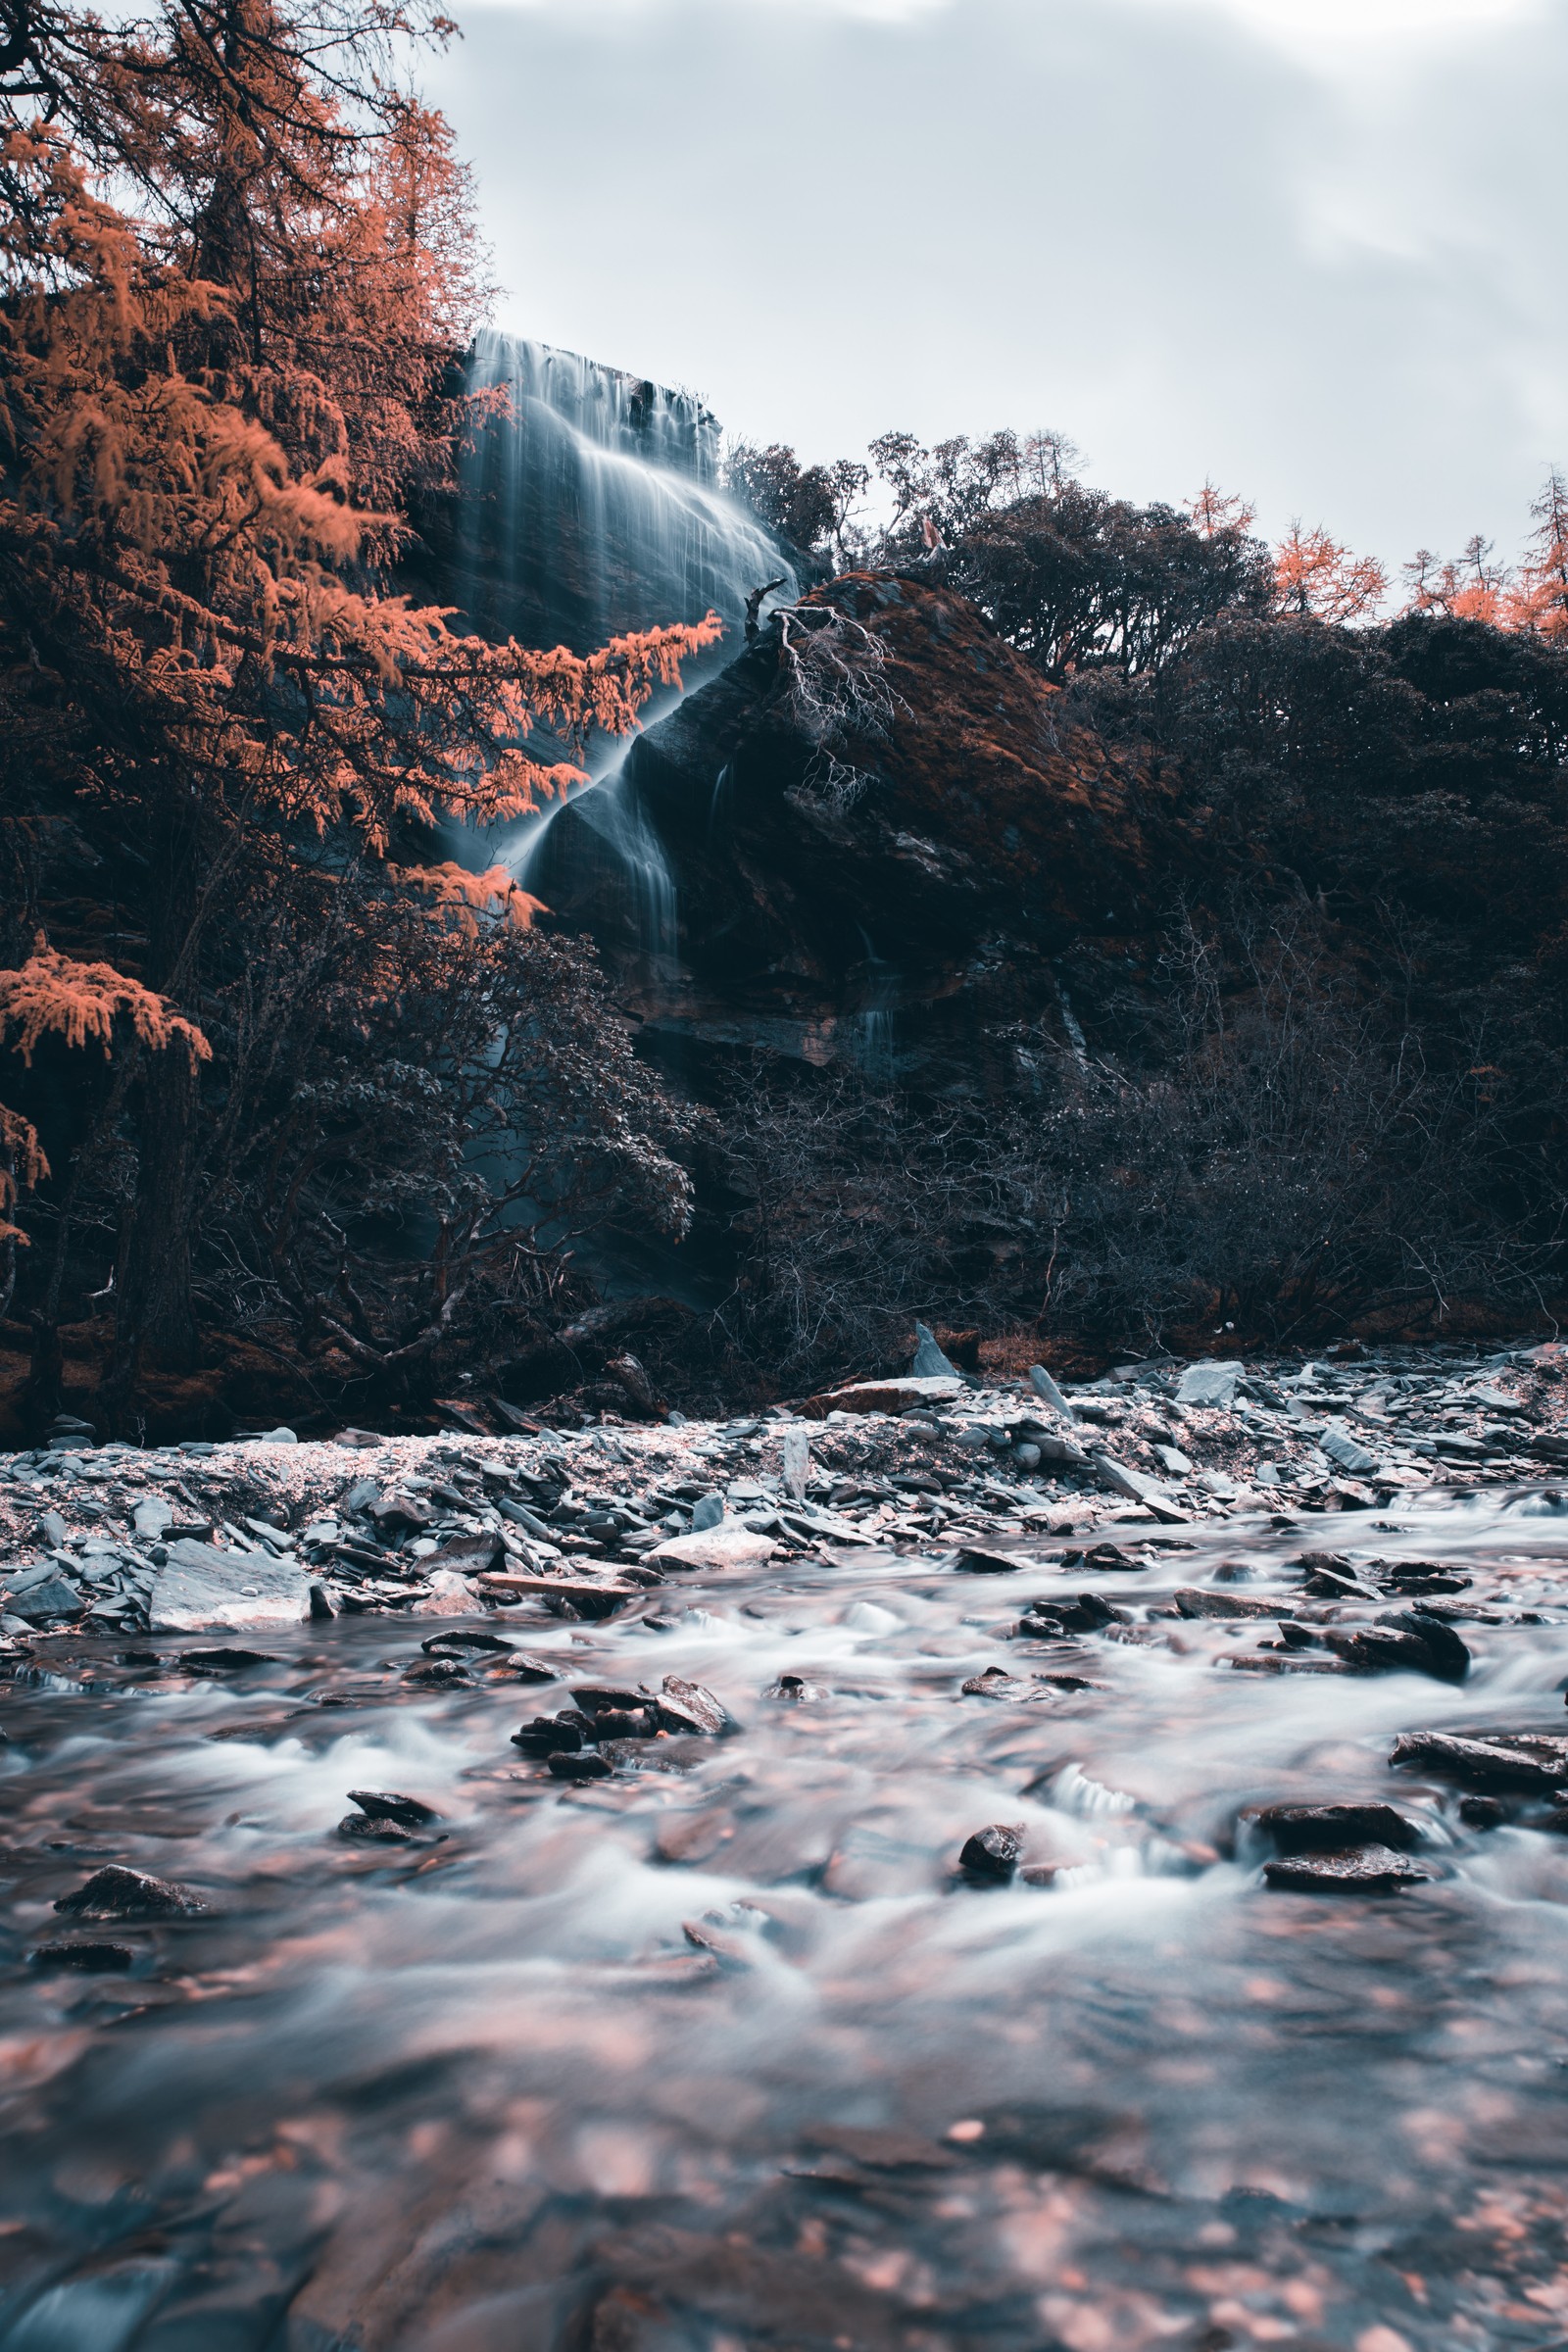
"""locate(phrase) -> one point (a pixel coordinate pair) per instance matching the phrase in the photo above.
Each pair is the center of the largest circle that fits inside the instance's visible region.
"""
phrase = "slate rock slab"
(201, 1585)
(1211, 1383)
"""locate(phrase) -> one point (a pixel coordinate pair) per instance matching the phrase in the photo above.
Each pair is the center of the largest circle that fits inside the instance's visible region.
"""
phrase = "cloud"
(1203, 236)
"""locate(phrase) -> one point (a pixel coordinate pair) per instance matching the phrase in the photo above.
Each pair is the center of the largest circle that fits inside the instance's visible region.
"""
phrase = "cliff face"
(874, 833)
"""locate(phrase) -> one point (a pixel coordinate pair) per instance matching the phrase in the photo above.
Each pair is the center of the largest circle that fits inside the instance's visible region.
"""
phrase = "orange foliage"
(281, 675)
(22, 1167)
(1531, 598)
(471, 895)
(1214, 511)
(1317, 578)
(53, 996)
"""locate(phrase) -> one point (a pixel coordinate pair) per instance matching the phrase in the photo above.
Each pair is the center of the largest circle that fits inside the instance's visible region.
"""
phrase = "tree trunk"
(154, 1312)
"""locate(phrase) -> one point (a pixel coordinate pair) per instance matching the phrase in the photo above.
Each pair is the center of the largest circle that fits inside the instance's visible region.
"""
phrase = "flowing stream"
(722, 2051)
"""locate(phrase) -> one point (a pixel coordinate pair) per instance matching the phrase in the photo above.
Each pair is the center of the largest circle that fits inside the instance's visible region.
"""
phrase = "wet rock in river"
(118, 1892)
(1192, 1601)
(995, 1683)
(1331, 1829)
(723, 1547)
(439, 1674)
(589, 1766)
(441, 1645)
(529, 1669)
(1539, 1766)
(794, 1687)
(684, 1706)
(991, 1855)
(389, 1804)
(1361, 1870)
(367, 1831)
(90, 1959)
(985, 1559)
(625, 1722)
(547, 1735)
(1079, 1613)
(1407, 1643)
(223, 1661)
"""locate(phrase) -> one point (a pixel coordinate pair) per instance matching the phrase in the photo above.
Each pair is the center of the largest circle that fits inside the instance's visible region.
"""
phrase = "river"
(723, 2051)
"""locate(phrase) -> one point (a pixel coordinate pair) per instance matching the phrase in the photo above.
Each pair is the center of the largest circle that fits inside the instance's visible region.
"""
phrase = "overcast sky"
(1314, 249)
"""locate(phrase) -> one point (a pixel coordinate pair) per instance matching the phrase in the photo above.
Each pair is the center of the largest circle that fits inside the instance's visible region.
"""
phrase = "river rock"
(389, 1804)
(547, 1735)
(1138, 1485)
(565, 1767)
(1333, 1828)
(985, 1559)
(200, 1586)
(450, 1594)
(47, 1602)
(91, 1959)
(1362, 1870)
(1415, 1643)
(118, 1892)
(991, 1855)
(707, 1511)
(1193, 1601)
(726, 1546)
(683, 1706)
(1483, 1763)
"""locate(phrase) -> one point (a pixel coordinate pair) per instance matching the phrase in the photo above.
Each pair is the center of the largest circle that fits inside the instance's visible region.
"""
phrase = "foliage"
(1272, 1151)
(215, 410)
(808, 505)
(53, 995)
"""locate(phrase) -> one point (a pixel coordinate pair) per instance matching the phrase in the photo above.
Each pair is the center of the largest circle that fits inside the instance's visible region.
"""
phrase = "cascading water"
(592, 507)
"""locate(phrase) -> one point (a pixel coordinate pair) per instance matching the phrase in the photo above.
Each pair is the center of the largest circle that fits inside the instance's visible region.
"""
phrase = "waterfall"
(591, 507)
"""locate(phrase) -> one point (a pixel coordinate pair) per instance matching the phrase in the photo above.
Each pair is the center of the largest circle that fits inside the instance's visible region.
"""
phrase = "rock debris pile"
(269, 1531)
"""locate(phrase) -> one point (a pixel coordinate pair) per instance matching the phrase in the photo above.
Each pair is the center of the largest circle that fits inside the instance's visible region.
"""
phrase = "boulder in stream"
(991, 1856)
(118, 1893)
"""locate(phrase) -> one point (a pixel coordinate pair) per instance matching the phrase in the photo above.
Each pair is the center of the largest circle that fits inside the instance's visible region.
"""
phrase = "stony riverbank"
(270, 1530)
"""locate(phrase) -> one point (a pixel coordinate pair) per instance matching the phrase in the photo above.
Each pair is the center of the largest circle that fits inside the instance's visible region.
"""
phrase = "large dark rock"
(982, 838)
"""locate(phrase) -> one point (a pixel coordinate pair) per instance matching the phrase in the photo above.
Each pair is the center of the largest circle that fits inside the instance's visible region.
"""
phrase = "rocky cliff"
(875, 834)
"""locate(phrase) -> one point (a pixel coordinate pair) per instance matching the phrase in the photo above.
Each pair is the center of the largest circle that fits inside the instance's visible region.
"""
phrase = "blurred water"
(592, 507)
(488, 2093)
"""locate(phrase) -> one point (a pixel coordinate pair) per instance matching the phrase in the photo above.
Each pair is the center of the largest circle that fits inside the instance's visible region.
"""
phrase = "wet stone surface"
(685, 2022)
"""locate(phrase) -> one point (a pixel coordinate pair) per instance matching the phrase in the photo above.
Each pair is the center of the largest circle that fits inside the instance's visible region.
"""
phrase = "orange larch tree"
(1316, 578)
(214, 413)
